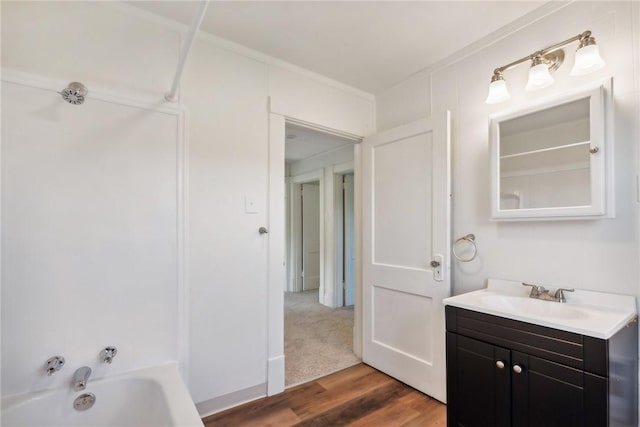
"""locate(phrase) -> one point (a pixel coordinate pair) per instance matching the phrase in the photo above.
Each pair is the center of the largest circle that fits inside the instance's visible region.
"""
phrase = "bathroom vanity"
(517, 361)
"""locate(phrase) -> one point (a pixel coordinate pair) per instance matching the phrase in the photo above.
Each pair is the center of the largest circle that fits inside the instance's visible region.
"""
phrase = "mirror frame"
(601, 163)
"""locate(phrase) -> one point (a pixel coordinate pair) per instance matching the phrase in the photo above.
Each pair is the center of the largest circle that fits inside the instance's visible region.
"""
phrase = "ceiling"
(303, 143)
(370, 45)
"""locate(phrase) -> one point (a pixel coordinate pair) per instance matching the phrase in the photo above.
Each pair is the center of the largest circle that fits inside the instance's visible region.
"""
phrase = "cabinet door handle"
(500, 364)
(517, 369)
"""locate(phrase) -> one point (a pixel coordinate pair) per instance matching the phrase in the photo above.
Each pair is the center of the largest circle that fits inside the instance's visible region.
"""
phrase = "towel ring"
(471, 238)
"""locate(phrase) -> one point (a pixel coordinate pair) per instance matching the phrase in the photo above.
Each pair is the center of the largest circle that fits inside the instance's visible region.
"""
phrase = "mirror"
(549, 160)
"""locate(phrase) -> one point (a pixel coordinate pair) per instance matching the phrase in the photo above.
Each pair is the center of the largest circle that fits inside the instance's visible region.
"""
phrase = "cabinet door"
(478, 387)
(548, 394)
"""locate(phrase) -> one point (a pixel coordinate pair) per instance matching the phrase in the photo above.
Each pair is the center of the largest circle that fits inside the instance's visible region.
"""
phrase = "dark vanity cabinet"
(502, 372)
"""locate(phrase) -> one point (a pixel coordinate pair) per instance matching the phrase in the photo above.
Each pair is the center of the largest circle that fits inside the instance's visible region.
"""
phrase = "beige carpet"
(318, 340)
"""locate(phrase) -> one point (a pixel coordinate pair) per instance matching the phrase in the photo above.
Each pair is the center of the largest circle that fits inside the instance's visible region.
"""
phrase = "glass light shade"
(497, 92)
(539, 77)
(587, 60)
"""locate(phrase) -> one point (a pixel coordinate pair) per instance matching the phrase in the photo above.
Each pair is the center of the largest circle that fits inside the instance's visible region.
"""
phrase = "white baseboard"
(220, 403)
(275, 375)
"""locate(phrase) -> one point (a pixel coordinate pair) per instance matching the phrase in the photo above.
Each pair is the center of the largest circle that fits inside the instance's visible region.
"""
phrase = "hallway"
(318, 339)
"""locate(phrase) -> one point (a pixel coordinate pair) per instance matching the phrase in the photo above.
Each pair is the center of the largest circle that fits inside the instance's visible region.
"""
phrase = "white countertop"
(595, 314)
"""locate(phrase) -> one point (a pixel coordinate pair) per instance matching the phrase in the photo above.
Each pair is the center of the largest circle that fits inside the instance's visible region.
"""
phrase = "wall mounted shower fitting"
(74, 93)
(53, 364)
(108, 353)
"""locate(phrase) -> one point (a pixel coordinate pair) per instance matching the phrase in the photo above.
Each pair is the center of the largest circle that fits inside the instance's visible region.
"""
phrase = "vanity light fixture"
(546, 61)
(497, 89)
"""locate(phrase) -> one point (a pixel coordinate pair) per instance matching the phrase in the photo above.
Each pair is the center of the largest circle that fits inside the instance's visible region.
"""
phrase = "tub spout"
(81, 377)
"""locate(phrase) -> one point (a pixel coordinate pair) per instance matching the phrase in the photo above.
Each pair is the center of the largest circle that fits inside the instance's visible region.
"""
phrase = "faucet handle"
(536, 290)
(53, 364)
(108, 353)
(559, 294)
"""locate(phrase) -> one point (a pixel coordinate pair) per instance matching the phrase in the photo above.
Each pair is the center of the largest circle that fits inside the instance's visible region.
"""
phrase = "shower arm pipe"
(543, 52)
(186, 47)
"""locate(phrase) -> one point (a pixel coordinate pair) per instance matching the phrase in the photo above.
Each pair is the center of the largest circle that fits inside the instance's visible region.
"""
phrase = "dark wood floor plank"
(342, 393)
(358, 396)
(433, 416)
(393, 414)
(354, 409)
(345, 376)
(277, 418)
(240, 415)
(422, 403)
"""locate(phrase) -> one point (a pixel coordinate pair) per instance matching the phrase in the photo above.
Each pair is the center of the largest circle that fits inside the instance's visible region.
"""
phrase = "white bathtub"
(150, 397)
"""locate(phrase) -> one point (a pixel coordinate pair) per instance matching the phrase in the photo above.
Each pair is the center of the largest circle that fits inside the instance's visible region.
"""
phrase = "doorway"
(318, 322)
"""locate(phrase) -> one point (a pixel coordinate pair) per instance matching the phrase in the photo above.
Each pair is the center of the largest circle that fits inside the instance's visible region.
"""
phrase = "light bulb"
(587, 60)
(497, 91)
(539, 77)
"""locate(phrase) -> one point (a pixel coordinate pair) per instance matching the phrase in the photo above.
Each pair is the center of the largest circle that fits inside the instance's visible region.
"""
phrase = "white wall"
(296, 96)
(590, 254)
(226, 97)
(226, 94)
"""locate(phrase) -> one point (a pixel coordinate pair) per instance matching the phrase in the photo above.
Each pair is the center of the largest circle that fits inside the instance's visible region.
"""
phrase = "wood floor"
(357, 396)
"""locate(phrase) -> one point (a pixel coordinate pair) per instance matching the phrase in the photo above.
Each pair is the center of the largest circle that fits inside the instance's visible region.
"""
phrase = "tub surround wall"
(90, 254)
(226, 90)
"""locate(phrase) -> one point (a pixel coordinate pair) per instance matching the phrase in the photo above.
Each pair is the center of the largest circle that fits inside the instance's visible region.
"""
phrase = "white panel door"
(310, 236)
(405, 181)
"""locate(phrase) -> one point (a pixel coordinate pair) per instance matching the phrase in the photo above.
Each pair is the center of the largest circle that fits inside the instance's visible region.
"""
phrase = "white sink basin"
(595, 314)
(531, 307)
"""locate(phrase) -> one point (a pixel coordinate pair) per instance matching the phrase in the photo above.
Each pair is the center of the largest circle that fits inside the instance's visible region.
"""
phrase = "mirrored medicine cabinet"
(550, 160)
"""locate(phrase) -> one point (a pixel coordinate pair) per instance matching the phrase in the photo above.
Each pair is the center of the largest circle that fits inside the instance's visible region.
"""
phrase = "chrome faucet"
(540, 292)
(81, 377)
(536, 291)
(559, 294)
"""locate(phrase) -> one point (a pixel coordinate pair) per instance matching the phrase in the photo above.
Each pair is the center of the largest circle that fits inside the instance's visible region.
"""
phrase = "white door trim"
(275, 257)
(338, 171)
(277, 274)
(296, 231)
(294, 264)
